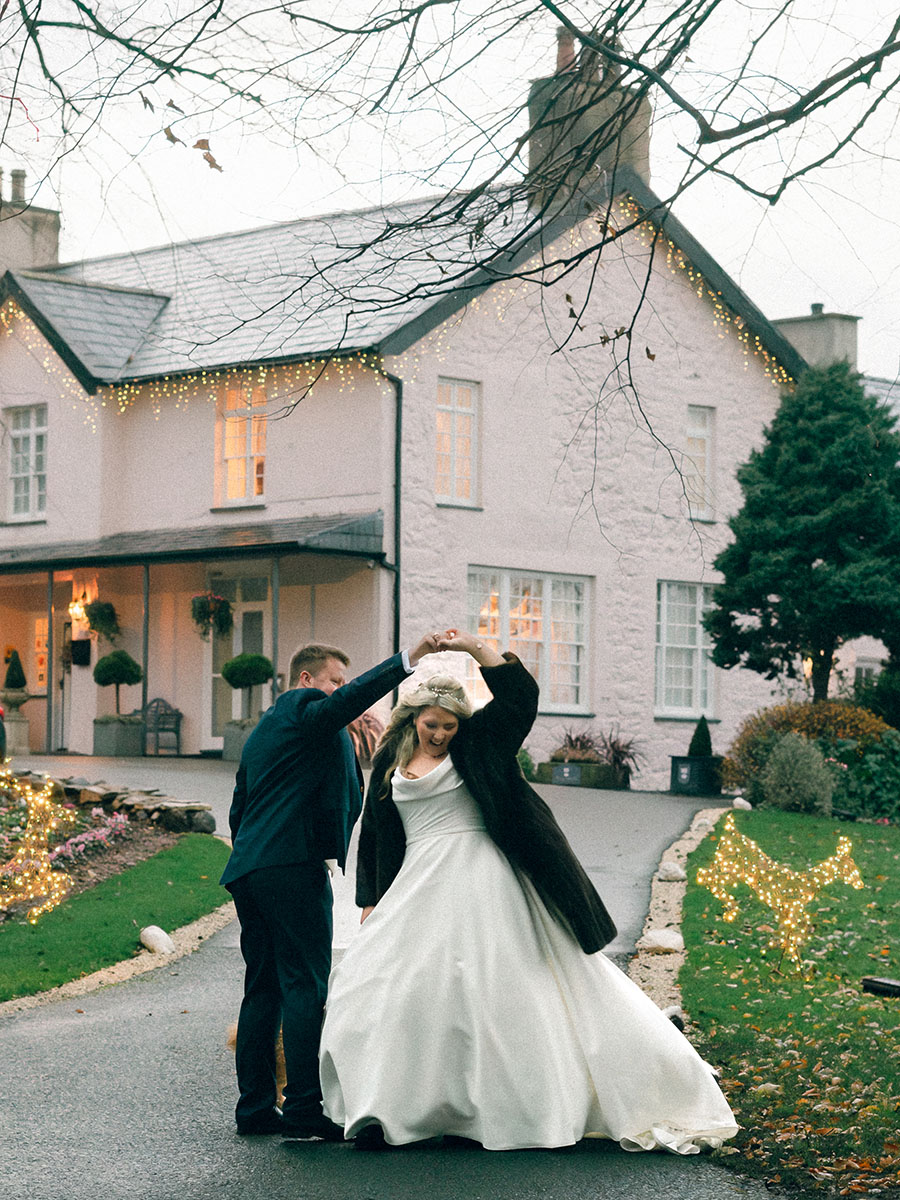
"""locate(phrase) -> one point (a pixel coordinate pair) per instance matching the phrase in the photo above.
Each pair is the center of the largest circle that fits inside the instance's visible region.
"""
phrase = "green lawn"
(810, 1062)
(102, 925)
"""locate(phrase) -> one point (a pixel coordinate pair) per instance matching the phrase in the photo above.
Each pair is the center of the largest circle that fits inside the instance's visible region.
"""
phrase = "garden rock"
(740, 802)
(662, 941)
(156, 940)
(671, 872)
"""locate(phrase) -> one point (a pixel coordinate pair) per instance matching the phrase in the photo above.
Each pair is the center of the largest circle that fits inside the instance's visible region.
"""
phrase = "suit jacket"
(298, 790)
(517, 819)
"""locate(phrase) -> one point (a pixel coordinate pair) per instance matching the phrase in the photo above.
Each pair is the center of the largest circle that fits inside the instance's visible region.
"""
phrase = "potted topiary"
(603, 760)
(698, 772)
(244, 671)
(118, 735)
(14, 695)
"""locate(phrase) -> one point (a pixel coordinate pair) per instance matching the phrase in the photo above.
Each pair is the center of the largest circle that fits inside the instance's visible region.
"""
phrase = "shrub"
(868, 785)
(795, 777)
(526, 763)
(15, 676)
(115, 669)
(701, 742)
(247, 670)
(881, 695)
(829, 723)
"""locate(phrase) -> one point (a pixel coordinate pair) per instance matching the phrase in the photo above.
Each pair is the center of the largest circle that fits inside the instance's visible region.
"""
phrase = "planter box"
(233, 739)
(119, 739)
(583, 774)
(693, 775)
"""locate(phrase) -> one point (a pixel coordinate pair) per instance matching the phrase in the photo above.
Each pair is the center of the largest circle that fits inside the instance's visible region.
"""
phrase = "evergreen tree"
(815, 558)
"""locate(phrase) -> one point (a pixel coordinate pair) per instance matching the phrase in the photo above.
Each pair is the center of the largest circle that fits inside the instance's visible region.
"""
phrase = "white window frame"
(699, 460)
(505, 629)
(27, 462)
(450, 441)
(246, 447)
(693, 650)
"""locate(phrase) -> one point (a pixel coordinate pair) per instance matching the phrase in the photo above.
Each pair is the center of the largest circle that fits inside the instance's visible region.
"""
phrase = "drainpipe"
(145, 648)
(49, 671)
(397, 384)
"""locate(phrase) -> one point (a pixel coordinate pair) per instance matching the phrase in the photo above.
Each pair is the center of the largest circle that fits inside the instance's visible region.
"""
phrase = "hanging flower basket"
(211, 612)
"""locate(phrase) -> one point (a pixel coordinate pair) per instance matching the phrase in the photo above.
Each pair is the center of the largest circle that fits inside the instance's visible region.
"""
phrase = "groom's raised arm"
(330, 713)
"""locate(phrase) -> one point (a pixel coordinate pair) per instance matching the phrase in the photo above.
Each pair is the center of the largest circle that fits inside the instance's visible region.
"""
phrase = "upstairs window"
(243, 444)
(684, 669)
(541, 619)
(698, 461)
(27, 429)
(457, 419)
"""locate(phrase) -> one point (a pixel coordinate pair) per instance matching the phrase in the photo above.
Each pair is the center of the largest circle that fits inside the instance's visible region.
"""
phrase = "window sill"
(693, 719)
(13, 521)
(458, 504)
(240, 506)
(704, 520)
(582, 713)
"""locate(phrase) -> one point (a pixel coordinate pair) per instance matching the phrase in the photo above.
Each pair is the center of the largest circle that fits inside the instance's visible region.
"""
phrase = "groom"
(297, 796)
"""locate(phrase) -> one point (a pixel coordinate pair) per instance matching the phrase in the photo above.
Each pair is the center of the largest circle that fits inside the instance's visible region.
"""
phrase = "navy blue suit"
(297, 796)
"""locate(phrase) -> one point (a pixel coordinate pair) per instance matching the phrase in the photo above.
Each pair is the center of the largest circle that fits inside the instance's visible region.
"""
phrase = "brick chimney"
(582, 121)
(822, 338)
(29, 236)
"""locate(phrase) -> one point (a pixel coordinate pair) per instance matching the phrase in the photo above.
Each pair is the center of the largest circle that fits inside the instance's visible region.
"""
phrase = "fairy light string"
(29, 875)
(740, 860)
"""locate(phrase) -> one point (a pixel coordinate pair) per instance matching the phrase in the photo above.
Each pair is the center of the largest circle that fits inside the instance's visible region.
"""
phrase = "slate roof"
(363, 280)
(359, 534)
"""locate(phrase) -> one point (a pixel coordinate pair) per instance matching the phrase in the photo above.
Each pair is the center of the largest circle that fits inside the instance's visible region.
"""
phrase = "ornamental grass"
(810, 1062)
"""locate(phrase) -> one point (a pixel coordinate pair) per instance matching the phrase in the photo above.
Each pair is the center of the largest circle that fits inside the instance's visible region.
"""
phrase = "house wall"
(573, 481)
(327, 451)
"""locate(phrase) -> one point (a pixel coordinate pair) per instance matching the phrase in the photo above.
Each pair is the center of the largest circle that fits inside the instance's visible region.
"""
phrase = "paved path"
(127, 1093)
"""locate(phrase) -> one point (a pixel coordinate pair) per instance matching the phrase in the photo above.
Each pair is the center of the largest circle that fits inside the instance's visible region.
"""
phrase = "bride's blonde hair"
(398, 742)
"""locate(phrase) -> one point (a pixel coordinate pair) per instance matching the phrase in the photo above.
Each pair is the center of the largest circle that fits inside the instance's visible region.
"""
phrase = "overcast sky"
(834, 238)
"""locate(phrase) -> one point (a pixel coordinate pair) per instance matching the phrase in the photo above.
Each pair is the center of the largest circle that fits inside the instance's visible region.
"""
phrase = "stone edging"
(656, 973)
(180, 816)
(187, 940)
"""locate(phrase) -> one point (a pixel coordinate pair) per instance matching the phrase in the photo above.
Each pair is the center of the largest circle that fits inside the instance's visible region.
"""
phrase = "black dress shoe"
(316, 1128)
(371, 1137)
(270, 1122)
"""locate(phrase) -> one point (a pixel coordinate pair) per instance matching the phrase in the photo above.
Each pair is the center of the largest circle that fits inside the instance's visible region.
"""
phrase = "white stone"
(671, 872)
(157, 940)
(661, 941)
(740, 802)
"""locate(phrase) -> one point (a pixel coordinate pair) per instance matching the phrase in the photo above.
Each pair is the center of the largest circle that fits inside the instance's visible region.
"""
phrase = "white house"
(207, 417)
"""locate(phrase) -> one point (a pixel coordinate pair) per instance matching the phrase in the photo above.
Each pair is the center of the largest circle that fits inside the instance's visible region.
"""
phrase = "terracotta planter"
(584, 774)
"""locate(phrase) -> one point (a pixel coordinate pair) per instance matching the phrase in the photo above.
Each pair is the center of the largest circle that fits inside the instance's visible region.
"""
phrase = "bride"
(474, 1001)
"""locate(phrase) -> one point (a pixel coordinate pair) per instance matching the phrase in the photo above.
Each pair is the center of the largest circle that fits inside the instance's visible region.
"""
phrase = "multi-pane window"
(698, 460)
(457, 418)
(28, 461)
(684, 669)
(540, 618)
(243, 443)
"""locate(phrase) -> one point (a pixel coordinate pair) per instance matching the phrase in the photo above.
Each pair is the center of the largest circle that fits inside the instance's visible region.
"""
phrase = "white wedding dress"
(461, 1007)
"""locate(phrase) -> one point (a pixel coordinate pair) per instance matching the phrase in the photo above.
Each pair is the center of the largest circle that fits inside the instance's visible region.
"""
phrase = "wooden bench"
(161, 718)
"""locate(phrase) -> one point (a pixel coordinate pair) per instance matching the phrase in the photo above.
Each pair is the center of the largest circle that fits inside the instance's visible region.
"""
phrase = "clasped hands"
(455, 639)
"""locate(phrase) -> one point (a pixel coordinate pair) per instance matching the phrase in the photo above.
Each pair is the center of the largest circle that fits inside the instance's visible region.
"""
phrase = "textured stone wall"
(579, 473)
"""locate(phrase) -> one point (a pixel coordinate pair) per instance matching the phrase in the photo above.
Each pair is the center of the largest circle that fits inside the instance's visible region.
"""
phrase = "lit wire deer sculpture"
(738, 859)
(29, 874)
